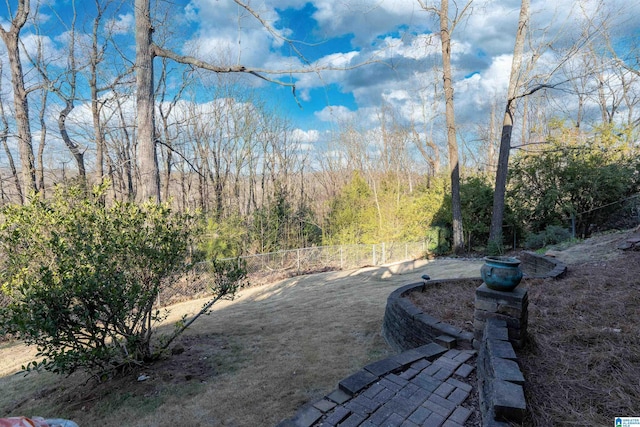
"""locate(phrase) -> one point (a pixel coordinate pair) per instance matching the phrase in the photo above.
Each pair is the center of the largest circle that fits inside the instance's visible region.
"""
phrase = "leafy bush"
(83, 278)
(574, 175)
(551, 235)
(476, 197)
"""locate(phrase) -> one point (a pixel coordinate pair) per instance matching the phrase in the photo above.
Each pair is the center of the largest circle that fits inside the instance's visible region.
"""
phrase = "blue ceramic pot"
(501, 273)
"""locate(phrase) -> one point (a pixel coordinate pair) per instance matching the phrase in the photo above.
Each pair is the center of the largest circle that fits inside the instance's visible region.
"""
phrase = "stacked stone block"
(500, 381)
(511, 307)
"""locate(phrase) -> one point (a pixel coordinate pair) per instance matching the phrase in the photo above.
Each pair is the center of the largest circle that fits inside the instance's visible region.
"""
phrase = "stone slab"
(512, 322)
(383, 367)
(508, 401)
(408, 357)
(338, 396)
(354, 420)
(460, 415)
(464, 370)
(324, 405)
(496, 329)
(357, 382)
(518, 295)
(486, 305)
(306, 417)
(506, 370)
(431, 351)
(446, 341)
(501, 349)
(420, 415)
(337, 415)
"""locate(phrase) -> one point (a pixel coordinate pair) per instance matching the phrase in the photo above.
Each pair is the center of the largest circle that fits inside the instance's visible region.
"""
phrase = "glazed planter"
(501, 273)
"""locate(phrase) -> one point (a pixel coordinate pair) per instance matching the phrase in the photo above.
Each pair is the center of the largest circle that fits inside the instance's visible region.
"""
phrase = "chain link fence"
(273, 266)
(264, 268)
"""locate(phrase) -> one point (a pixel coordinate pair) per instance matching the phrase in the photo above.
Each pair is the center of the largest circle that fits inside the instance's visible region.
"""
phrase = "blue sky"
(399, 37)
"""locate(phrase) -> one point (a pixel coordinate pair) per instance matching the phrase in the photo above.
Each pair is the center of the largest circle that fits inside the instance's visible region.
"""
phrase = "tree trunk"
(4, 137)
(21, 104)
(147, 158)
(77, 154)
(497, 217)
(454, 165)
(43, 141)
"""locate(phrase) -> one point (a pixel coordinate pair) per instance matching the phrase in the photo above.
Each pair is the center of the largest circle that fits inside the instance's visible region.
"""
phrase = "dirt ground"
(252, 362)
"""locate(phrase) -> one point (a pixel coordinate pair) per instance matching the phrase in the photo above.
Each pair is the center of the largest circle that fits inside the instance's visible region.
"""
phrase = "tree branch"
(159, 141)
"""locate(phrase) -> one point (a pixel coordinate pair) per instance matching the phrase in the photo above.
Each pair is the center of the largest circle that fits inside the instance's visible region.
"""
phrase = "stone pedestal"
(511, 307)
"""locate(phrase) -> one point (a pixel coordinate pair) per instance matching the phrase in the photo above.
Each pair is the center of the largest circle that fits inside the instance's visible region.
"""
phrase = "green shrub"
(495, 247)
(552, 235)
(574, 175)
(83, 278)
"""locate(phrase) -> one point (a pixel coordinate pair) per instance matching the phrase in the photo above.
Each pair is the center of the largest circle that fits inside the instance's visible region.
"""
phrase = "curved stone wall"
(534, 265)
(406, 326)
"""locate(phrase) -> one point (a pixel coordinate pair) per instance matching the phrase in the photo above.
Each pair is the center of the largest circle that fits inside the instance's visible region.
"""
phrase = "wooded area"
(181, 129)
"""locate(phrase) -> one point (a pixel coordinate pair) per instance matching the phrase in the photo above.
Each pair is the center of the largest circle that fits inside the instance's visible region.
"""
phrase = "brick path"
(426, 386)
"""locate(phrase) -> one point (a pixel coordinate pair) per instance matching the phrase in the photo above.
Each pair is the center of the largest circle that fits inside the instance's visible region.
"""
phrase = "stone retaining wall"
(534, 265)
(406, 326)
(500, 381)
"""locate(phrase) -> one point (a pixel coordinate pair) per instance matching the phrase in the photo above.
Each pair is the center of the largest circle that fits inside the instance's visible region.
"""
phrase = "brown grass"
(252, 362)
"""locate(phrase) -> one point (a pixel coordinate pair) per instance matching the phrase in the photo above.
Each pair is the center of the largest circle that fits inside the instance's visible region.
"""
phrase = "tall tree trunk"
(497, 217)
(41, 145)
(77, 154)
(21, 104)
(147, 157)
(452, 143)
(4, 136)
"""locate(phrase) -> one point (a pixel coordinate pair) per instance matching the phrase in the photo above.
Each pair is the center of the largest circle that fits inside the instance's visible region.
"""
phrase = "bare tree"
(4, 136)
(11, 39)
(447, 26)
(495, 232)
(65, 87)
(422, 137)
(147, 50)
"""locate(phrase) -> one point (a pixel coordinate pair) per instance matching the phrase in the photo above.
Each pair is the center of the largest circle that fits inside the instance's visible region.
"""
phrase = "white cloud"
(336, 114)
(123, 24)
(306, 138)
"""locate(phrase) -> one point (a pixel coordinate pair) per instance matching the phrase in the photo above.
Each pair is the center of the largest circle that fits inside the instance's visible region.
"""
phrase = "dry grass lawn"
(252, 362)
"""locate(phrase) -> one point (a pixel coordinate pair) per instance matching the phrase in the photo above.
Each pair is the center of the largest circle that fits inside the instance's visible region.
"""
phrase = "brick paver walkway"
(426, 386)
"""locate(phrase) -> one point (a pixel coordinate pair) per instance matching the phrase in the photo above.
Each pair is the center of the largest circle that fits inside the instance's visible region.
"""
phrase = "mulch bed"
(452, 302)
(582, 359)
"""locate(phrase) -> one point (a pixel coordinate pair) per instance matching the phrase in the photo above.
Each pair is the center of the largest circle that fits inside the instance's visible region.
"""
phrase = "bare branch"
(190, 60)
(159, 141)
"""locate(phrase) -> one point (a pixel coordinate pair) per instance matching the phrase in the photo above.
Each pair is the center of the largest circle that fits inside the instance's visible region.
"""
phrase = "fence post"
(374, 255)
(298, 260)
(341, 259)
(384, 254)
